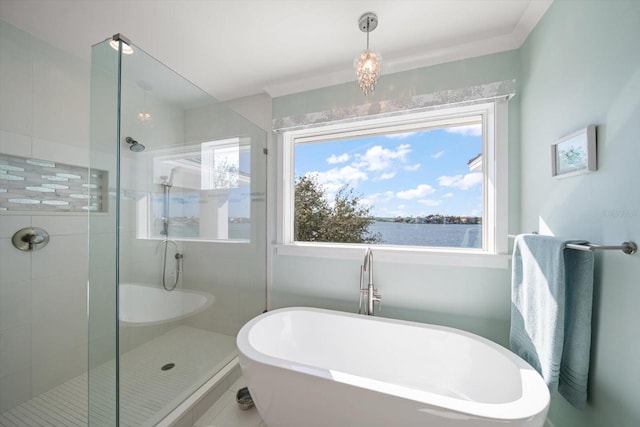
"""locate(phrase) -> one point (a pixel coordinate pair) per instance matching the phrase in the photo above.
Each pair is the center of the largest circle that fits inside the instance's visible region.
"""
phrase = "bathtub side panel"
(287, 398)
(290, 393)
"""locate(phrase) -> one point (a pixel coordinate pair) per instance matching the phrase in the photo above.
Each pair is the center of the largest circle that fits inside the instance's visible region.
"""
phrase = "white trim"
(495, 218)
(271, 215)
(201, 393)
(529, 19)
(501, 184)
(397, 254)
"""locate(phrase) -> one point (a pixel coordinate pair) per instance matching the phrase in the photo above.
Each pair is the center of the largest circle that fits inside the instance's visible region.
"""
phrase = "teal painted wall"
(580, 66)
(459, 74)
(474, 299)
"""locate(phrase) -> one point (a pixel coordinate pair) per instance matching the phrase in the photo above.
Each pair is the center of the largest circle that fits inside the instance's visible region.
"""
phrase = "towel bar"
(628, 248)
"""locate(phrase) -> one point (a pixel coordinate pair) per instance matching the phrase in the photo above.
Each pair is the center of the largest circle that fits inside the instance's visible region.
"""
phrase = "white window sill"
(410, 255)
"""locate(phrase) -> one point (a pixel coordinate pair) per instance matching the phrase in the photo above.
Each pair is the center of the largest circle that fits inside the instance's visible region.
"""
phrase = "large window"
(426, 182)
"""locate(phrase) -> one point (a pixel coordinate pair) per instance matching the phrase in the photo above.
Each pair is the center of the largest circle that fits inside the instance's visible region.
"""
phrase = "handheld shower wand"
(167, 181)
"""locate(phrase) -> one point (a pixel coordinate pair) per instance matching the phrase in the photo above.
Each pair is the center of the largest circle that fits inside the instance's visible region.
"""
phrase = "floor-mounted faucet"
(370, 291)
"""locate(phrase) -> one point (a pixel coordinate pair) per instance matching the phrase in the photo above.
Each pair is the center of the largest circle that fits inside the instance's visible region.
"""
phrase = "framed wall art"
(574, 154)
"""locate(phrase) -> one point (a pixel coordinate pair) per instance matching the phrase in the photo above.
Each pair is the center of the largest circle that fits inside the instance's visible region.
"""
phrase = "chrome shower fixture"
(134, 145)
(167, 181)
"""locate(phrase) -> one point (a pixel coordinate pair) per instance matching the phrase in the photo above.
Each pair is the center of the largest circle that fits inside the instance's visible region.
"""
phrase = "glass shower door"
(179, 261)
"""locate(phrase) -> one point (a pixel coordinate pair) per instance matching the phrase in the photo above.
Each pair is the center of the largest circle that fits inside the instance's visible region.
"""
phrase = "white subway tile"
(57, 225)
(58, 152)
(15, 304)
(15, 265)
(57, 370)
(58, 340)
(15, 389)
(64, 255)
(9, 224)
(16, 84)
(59, 297)
(61, 99)
(15, 144)
(14, 349)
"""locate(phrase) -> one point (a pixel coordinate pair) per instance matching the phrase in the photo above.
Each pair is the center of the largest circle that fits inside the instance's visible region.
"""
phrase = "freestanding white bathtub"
(320, 368)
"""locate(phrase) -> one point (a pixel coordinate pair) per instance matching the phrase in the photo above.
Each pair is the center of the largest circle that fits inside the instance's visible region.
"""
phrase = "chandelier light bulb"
(144, 116)
(368, 66)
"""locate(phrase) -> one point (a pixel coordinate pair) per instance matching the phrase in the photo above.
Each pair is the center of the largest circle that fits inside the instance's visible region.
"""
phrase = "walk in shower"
(177, 226)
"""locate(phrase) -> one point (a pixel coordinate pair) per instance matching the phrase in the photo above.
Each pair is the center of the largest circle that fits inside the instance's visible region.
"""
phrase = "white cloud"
(437, 155)
(447, 196)
(412, 168)
(462, 182)
(469, 130)
(421, 190)
(429, 202)
(377, 198)
(333, 159)
(385, 176)
(377, 158)
(333, 179)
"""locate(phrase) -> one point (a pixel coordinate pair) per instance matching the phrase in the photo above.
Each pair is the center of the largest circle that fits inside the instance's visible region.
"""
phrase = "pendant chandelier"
(368, 65)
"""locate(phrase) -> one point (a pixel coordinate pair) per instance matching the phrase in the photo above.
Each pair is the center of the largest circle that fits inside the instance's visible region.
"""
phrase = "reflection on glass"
(209, 192)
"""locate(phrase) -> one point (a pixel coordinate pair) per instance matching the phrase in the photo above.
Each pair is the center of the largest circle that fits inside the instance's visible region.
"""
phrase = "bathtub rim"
(209, 300)
(534, 399)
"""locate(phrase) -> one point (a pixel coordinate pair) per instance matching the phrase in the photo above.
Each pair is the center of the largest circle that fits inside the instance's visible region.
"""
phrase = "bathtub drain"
(168, 366)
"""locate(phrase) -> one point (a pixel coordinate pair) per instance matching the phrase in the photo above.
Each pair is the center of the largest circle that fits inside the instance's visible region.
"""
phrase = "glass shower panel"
(188, 227)
(103, 239)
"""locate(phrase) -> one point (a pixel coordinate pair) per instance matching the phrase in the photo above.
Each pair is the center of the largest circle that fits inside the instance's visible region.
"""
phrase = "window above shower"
(420, 187)
(198, 192)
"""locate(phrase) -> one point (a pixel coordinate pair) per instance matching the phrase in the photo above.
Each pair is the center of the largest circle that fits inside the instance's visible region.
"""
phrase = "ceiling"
(237, 48)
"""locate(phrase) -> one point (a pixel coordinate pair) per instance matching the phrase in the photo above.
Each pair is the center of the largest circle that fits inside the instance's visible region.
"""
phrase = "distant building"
(475, 164)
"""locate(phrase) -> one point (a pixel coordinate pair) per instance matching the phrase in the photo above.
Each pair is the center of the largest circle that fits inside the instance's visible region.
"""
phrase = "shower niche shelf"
(32, 185)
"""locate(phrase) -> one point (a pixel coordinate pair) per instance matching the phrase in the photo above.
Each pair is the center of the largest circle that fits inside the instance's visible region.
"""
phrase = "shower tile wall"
(44, 114)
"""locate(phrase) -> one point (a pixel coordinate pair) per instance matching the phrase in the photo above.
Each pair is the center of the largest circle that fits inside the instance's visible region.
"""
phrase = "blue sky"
(416, 173)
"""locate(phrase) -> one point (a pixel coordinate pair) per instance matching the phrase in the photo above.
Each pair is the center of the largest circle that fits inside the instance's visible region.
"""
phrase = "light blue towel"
(551, 299)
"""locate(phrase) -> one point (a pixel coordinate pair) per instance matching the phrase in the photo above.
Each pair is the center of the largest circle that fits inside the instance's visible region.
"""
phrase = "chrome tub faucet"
(369, 292)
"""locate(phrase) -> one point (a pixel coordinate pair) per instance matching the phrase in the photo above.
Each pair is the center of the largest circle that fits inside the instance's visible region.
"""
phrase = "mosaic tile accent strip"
(426, 102)
(41, 185)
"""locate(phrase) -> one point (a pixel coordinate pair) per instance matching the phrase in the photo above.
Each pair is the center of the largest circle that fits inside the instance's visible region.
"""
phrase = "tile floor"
(226, 413)
(66, 404)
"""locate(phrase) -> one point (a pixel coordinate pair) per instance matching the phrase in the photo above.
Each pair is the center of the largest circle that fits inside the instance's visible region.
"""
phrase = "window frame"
(494, 116)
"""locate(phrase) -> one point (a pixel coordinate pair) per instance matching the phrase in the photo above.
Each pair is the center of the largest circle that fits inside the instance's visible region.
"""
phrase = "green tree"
(347, 221)
(311, 210)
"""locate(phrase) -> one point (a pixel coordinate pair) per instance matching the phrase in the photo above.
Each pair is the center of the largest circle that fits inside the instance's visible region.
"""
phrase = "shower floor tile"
(226, 413)
(147, 393)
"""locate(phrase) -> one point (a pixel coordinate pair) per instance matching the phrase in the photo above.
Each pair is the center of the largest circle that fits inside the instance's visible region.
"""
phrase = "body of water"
(440, 235)
(393, 233)
(177, 230)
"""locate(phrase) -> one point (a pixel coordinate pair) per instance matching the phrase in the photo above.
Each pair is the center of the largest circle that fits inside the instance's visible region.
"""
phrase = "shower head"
(134, 145)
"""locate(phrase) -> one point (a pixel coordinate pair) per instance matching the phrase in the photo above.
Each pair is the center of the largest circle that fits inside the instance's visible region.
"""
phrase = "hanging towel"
(551, 299)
